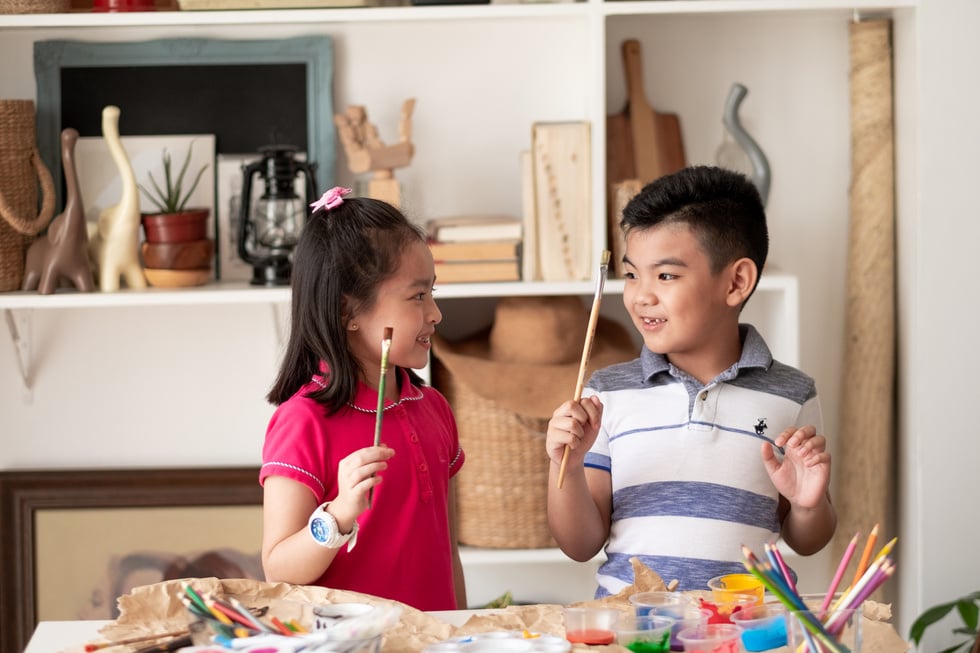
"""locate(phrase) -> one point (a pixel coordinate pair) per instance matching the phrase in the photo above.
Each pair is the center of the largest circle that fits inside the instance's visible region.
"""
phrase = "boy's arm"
(807, 530)
(579, 512)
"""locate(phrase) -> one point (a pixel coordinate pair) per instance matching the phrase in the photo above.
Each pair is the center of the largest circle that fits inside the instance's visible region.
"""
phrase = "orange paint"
(591, 636)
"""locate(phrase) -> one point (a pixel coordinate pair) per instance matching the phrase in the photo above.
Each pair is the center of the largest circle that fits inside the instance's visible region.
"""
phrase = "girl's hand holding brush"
(357, 475)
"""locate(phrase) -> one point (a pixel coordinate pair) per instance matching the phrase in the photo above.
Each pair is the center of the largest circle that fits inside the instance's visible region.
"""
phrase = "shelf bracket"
(19, 325)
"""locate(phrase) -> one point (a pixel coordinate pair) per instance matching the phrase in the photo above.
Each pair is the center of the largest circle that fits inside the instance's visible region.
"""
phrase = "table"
(71, 636)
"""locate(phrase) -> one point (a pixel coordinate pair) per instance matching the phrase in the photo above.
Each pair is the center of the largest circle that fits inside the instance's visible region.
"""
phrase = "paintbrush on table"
(385, 348)
(586, 350)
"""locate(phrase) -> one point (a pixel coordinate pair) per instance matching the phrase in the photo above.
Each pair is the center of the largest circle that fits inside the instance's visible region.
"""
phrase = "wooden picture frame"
(210, 64)
(27, 496)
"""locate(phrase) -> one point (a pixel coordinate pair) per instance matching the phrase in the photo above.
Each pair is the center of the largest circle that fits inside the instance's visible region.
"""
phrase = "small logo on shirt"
(761, 426)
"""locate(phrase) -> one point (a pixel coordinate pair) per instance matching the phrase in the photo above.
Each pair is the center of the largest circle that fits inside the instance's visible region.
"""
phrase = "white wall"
(938, 323)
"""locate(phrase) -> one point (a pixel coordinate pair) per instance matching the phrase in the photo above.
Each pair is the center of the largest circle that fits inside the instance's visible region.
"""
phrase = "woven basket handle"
(33, 226)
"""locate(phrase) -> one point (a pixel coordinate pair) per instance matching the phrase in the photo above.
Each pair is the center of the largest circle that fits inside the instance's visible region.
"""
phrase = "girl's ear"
(743, 276)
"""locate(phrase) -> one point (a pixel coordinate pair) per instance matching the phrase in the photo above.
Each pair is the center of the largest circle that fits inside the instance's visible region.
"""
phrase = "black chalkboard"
(244, 106)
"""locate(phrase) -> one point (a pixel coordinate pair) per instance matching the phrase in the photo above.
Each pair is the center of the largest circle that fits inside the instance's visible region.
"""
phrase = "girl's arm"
(289, 553)
(459, 580)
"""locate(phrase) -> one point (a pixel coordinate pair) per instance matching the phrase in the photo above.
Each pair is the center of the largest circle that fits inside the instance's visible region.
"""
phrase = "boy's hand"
(576, 424)
(803, 475)
(356, 475)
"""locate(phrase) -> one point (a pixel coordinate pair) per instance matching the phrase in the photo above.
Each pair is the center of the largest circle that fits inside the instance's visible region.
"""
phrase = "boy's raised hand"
(803, 475)
(575, 424)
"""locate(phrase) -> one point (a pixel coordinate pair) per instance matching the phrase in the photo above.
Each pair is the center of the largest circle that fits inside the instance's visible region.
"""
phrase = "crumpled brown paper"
(157, 608)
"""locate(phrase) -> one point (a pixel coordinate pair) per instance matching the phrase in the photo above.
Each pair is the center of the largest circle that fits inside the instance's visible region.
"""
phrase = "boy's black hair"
(342, 256)
(722, 208)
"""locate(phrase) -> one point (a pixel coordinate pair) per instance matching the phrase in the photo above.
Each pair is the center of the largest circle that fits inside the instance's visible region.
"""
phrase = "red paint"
(591, 636)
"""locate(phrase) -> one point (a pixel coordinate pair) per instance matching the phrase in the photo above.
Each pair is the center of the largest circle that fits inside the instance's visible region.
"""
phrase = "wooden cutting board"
(641, 143)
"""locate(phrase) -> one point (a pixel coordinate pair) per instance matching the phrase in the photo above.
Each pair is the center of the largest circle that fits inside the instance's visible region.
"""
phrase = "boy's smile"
(681, 309)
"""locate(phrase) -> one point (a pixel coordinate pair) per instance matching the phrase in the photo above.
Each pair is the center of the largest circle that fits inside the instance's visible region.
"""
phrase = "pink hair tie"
(331, 199)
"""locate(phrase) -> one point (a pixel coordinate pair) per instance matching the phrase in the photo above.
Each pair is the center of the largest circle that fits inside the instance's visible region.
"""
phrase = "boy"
(665, 458)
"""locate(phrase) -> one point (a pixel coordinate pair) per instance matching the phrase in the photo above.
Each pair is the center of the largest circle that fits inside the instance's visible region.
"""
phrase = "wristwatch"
(325, 531)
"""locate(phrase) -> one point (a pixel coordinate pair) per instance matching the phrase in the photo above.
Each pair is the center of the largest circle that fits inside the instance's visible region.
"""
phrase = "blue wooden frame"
(316, 52)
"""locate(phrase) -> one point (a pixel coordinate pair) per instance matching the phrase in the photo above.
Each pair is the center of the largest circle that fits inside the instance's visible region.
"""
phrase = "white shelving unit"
(199, 360)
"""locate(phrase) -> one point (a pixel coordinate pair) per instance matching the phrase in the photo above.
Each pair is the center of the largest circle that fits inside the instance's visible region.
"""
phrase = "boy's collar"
(755, 353)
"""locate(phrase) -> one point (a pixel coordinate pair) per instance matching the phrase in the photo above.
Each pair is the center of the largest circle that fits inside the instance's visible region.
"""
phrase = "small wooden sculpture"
(115, 246)
(62, 253)
(367, 153)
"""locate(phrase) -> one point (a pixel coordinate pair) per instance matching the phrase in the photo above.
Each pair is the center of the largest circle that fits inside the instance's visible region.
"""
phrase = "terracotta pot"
(190, 255)
(188, 225)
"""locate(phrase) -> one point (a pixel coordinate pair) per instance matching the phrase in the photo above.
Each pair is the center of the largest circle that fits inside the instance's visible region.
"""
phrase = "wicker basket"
(502, 490)
(34, 6)
(21, 169)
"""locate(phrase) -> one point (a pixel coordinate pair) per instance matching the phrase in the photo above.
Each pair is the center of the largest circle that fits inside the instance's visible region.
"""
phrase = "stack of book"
(480, 248)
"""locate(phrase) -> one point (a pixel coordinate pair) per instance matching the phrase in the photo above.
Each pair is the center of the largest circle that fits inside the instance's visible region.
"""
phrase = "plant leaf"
(927, 618)
(954, 648)
(969, 612)
(190, 191)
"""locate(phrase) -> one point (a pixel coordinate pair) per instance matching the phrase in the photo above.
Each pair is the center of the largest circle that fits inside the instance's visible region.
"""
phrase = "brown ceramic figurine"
(62, 253)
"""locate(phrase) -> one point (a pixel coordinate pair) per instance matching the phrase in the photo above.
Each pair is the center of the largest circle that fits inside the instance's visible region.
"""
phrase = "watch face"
(319, 529)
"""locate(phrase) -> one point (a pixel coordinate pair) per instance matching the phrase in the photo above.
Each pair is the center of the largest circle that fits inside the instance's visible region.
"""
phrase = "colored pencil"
(245, 612)
(777, 561)
(839, 574)
(885, 550)
(194, 596)
(866, 555)
(379, 415)
(586, 350)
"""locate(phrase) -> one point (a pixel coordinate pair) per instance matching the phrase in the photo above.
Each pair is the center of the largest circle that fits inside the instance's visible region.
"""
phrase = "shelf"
(439, 12)
(241, 293)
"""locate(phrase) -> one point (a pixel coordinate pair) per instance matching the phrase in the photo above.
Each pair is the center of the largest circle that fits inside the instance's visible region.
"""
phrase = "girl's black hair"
(342, 256)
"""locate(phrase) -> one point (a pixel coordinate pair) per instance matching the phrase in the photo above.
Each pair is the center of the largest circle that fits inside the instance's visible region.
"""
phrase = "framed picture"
(247, 93)
(73, 541)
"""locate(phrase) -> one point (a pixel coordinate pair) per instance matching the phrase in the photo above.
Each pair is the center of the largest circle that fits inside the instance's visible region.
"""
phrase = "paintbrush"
(385, 348)
(586, 350)
(142, 639)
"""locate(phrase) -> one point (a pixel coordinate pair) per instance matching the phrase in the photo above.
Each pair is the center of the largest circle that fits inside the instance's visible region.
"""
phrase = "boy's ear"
(742, 279)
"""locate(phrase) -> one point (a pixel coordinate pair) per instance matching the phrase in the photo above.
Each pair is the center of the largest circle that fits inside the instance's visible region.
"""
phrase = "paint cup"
(726, 588)
(591, 626)
(721, 613)
(841, 627)
(711, 638)
(763, 626)
(665, 604)
(644, 634)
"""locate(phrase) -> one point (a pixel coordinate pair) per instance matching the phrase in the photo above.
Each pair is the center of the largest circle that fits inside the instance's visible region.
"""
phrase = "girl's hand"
(575, 424)
(356, 475)
(803, 476)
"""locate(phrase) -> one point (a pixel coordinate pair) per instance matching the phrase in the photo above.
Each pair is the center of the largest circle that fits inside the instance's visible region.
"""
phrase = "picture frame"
(38, 510)
(226, 75)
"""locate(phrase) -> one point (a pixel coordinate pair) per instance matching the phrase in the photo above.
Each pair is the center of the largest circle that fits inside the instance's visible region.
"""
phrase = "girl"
(338, 511)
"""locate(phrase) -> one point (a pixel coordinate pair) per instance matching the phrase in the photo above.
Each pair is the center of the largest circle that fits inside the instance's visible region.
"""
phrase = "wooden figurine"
(62, 253)
(367, 153)
(115, 245)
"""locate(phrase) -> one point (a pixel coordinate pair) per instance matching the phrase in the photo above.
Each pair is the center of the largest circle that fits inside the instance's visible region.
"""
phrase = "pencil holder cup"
(646, 634)
(763, 626)
(715, 638)
(836, 631)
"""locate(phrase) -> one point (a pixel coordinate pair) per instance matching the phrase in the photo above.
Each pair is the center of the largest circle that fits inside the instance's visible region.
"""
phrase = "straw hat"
(528, 361)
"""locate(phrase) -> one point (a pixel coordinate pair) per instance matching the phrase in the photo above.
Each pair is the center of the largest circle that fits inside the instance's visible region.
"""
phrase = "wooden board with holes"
(562, 166)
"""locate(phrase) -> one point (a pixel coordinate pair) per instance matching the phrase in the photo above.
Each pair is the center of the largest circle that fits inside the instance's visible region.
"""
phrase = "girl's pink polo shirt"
(403, 548)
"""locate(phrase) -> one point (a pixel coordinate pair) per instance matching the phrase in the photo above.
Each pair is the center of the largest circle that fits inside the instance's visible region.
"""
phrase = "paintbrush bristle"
(388, 332)
(605, 257)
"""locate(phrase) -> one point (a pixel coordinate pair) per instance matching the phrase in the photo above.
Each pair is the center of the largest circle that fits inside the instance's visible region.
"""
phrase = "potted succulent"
(968, 608)
(173, 221)
(177, 251)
